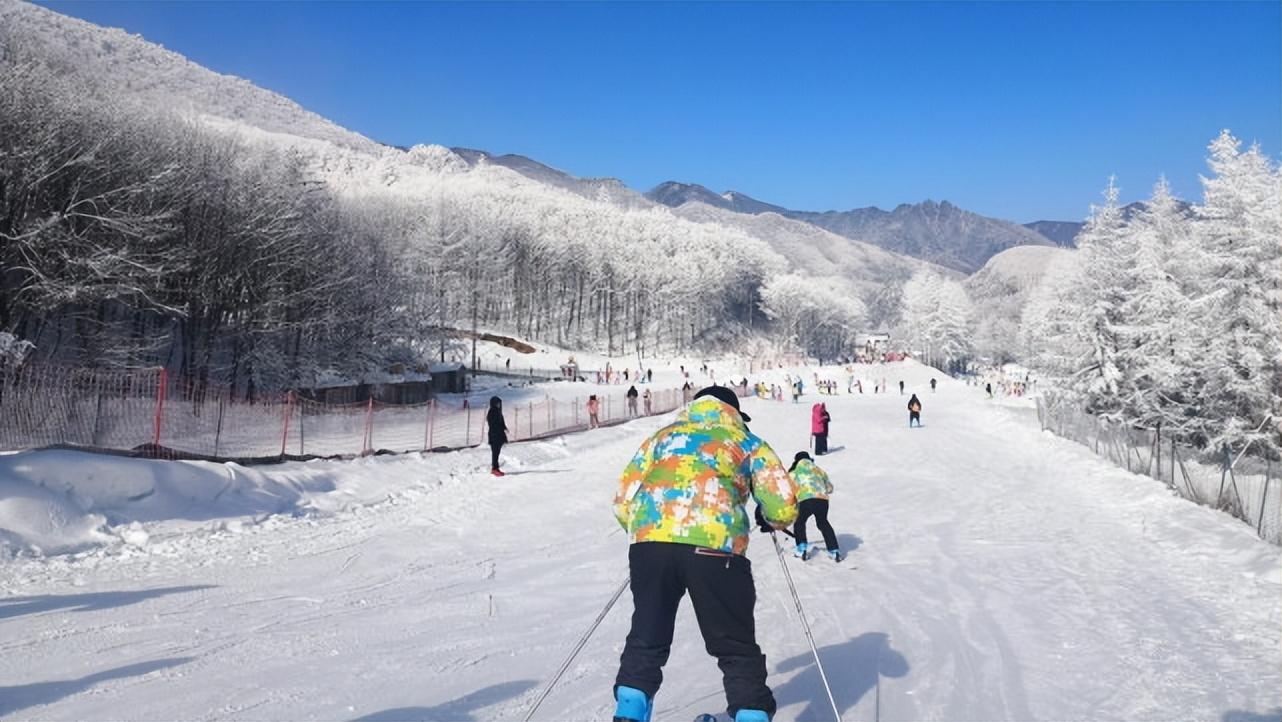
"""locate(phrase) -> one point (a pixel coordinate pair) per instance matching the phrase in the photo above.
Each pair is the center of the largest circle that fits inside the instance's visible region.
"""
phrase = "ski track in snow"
(995, 573)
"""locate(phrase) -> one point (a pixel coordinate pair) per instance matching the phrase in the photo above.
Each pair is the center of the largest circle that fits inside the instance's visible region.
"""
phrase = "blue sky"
(1018, 110)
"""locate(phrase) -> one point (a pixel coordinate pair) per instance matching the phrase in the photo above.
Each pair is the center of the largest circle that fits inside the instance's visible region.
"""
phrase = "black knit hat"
(801, 455)
(724, 395)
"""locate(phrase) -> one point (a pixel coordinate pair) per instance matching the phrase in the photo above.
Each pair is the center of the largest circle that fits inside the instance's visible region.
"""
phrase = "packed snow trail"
(995, 573)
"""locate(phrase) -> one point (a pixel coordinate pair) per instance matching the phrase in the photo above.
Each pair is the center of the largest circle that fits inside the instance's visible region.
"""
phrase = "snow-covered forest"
(136, 236)
(1174, 319)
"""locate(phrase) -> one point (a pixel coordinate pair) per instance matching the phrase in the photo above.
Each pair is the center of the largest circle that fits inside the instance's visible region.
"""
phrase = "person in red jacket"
(819, 428)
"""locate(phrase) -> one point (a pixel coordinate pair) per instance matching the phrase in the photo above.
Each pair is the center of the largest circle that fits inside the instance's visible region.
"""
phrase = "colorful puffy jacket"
(811, 481)
(689, 482)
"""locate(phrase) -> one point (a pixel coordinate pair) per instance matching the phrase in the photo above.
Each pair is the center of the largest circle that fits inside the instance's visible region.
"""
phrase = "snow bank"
(57, 502)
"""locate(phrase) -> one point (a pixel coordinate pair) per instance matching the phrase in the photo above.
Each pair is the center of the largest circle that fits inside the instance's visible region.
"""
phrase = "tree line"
(1173, 318)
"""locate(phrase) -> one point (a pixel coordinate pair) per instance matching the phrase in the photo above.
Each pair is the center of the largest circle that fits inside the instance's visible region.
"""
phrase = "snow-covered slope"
(995, 573)
(1021, 266)
(812, 250)
(120, 63)
(1001, 289)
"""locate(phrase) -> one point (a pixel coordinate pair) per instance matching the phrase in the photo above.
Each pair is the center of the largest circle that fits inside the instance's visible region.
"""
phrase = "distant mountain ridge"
(1065, 233)
(940, 233)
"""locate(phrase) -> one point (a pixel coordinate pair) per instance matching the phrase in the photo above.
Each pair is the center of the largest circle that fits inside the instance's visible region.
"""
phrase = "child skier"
(813, 488)
(914, 411)
(819, 419)
(681, 500)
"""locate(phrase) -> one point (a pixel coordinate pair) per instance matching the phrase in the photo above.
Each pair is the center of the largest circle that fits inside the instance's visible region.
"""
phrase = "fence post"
(516, 422)
(369, 426)
(218, 431)
(1224, 473)
(531, 423)
(160, 409)
(431, 417)
(289, 408)
(302, 435)
(1264, 497)
(467, 433)
(97, 415)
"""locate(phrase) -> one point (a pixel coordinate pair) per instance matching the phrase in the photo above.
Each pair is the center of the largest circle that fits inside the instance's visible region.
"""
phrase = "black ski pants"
(494, 453)
(818, 508)
(821, 443)
(721, 590)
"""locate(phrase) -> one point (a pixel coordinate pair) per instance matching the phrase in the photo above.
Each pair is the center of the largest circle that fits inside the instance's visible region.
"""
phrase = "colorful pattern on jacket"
(689, 482)
(811, 481)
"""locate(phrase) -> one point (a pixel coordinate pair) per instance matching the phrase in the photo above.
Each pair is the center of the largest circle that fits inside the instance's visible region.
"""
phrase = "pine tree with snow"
(1240, 224)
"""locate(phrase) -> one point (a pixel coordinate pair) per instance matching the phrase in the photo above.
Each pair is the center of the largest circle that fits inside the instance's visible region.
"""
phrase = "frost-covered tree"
(819, 315)
(1240, 225)
(1174, 319)
(938, 318)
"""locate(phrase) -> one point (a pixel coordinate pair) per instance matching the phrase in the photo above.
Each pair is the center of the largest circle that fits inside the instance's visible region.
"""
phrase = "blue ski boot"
(836, 554)
(800, 553)
(631, 705)
(751, 715)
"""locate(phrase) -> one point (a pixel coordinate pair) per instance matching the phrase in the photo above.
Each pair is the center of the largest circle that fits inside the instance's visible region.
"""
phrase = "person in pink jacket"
(819, 428)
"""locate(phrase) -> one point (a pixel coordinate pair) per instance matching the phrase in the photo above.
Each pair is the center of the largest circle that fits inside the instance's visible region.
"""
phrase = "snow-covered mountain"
(1064, 233)
(1000, 290)
(940, 233)
(675, 194)
(127, 66)
(609, 190)
(810, 249)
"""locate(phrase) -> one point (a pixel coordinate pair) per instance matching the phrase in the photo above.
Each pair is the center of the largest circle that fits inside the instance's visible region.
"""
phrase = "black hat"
(801, 455)
(724, 395)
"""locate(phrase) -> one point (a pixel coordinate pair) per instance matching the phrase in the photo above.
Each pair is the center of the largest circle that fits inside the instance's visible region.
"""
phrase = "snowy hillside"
(1000, 291)
(129, 65)
(812, 250)
(995, 573)
(1021, 266)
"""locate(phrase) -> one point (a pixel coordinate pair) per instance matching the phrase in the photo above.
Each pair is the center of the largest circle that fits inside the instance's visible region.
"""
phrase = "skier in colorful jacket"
(813, 488)
(681, 500)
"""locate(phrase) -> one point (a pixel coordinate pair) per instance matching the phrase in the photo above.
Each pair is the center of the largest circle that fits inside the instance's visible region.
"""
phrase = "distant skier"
(988, 388)
(932, 385)
(497, 433)
(813, 488)
(649, 375)
(686, 391)
(819, 419)
(648, 400)
(594, 408)
(632, 400)
(914, 411)
(681, 500)
(901, 387)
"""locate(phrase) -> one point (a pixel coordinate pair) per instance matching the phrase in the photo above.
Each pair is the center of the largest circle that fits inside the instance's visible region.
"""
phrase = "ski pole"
(805, 626)
(578, 648)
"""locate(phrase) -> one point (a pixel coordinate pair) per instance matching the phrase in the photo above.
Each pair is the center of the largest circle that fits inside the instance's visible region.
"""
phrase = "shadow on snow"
(23, 696)
(457, 710)
(11, 607)
(854, 667)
